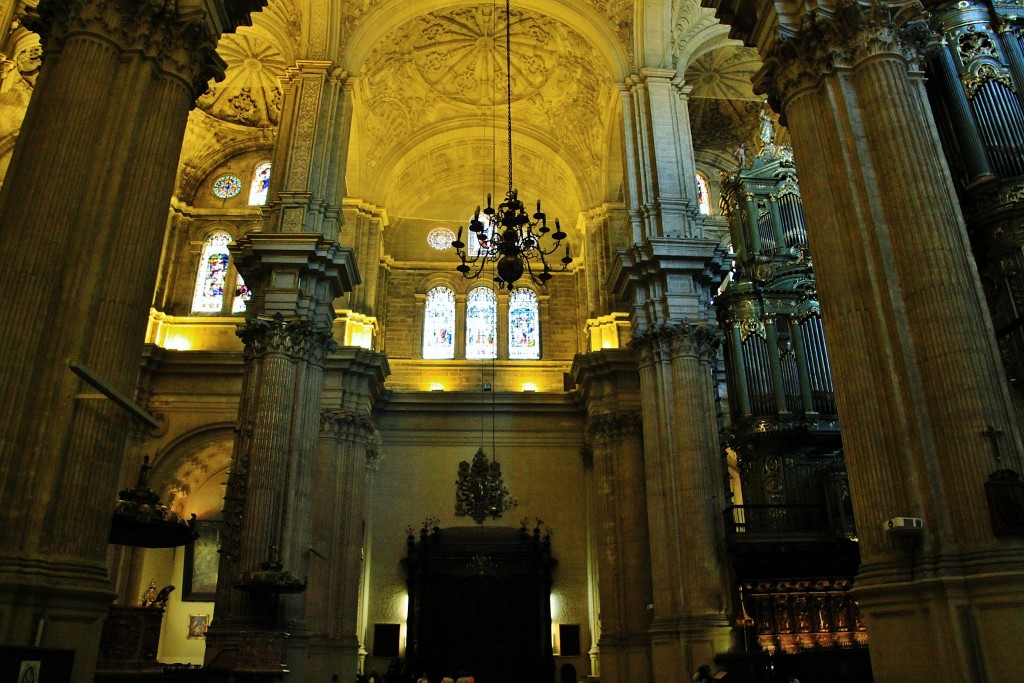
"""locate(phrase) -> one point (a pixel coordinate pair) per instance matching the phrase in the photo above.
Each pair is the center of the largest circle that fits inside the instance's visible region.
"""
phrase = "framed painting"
(202, 556)
(197, 625)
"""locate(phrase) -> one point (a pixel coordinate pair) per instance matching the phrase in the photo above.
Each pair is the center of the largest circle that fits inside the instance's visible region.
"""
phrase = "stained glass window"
(227, 186)
(523, 325)
(441, 238)
(213, 269)
(481, 323)
(260, 185)
(703, 195)
(472, 243)
(242, 296)
(439, 324)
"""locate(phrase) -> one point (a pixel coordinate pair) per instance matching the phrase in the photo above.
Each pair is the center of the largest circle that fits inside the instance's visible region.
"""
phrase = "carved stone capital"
(615, 426)
(665, 342)
(348, 426)
(854, 31)
(298, 339)
(178, 35)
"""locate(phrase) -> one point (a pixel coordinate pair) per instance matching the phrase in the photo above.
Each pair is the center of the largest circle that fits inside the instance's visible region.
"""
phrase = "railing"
(776, 520)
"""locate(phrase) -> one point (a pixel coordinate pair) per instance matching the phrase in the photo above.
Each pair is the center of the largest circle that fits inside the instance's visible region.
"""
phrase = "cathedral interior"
(298, 386)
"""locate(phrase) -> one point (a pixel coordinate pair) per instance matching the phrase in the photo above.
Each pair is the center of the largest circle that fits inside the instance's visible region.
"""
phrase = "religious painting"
(197, 625)
(202, 557)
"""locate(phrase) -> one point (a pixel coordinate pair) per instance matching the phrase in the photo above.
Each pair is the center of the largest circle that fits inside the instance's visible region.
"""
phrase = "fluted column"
(668, 275)
(915, 364)
(93, 169)
(684, 496)
(348, 441)
(268, 507)
(610, 386)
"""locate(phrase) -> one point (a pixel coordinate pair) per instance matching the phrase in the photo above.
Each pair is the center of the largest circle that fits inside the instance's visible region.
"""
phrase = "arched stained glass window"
(703, 195)
(523, 325)
(439, 324)
(260, 185)
(213, 270)
(481, 323)
(242, 295)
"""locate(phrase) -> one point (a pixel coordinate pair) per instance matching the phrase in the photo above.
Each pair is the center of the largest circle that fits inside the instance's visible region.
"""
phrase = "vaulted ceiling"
(429, 137)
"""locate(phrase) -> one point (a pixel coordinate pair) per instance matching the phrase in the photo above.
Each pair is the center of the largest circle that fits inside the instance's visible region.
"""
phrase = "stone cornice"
(179, 35)
(851, 33)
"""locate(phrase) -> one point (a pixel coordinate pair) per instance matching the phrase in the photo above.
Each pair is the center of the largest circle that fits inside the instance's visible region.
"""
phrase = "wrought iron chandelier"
(507, 235)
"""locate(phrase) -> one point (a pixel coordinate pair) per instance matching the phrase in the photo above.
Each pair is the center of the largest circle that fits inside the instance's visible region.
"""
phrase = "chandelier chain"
(508, 71)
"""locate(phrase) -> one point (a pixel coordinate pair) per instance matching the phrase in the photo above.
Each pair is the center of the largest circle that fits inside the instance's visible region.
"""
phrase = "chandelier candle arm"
(507, 236)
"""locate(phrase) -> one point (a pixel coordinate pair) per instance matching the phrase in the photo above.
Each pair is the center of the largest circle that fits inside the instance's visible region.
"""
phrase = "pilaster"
(610, 386)
(312, 148)
(121, 78)
(913, 354)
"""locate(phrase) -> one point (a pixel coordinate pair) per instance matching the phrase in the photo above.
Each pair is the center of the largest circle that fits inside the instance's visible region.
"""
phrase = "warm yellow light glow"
(177, 342)
(529, 386)
(436, 386)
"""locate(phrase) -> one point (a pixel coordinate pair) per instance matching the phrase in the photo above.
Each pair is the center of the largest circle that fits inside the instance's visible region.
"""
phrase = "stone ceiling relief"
(250, 94)
(447, 70)
(617, 13)
(723, 106)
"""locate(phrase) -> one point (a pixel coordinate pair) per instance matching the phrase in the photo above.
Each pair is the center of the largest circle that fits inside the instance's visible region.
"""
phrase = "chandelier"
(480, 491)
(507, 235)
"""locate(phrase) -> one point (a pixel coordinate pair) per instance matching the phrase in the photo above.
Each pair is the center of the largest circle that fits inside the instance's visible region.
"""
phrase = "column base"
(960, 628)
(625, 659)
(335, 659)
(679, 646)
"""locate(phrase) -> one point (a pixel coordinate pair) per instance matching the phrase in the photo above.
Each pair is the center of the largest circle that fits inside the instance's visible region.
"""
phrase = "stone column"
(668, 275)
(916, 370)
(268, 506)
(610, 386)
(82, 214)
(296, 269)
(349, 444)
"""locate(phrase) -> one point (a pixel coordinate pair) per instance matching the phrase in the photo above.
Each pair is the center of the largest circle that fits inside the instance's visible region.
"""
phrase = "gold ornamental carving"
(982, 74)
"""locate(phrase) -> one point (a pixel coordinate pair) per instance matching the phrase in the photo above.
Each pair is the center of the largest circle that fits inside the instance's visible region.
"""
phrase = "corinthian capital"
(615, 426)
(298, 339)
(344, 424)
(850, 33)
(180, 36)
(666, 342)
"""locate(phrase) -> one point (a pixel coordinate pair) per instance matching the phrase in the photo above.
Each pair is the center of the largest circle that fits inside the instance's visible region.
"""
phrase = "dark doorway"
(479, 602)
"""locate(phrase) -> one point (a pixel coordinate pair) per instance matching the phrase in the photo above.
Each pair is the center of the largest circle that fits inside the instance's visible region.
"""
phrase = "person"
(373, 677)
(447, 679)
(464, 678)
(423, 678)
(703, 675)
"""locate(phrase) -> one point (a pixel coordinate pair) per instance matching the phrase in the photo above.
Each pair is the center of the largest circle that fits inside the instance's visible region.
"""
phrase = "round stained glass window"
(227, 186)
(441, 238)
